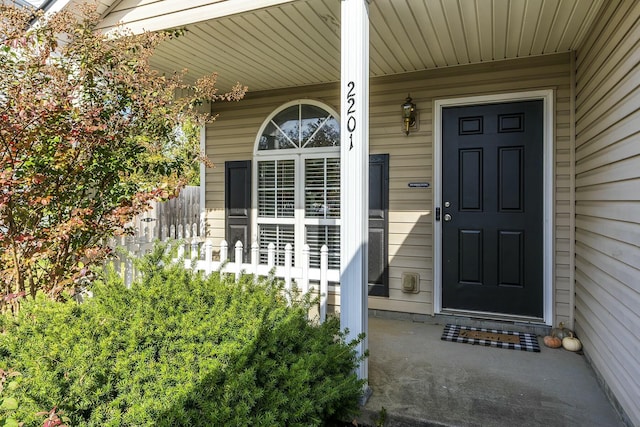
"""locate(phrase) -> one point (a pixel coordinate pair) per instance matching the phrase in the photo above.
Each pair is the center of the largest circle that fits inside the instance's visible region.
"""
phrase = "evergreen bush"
(180, 349)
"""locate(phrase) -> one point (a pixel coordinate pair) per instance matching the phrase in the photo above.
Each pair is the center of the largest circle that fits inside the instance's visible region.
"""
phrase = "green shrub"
(8, 403)
(179, 349)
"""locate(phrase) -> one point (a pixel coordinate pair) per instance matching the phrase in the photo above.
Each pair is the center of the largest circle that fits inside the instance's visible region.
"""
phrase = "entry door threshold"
(480, 319)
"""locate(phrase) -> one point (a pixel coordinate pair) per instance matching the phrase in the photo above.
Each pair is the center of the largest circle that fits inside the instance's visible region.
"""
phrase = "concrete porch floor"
(420, 380)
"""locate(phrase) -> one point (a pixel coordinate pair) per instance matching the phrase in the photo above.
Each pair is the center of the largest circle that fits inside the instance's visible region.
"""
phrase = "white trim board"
(548, 98)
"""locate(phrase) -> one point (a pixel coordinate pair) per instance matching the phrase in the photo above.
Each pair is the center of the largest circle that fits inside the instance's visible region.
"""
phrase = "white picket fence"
(198, 253)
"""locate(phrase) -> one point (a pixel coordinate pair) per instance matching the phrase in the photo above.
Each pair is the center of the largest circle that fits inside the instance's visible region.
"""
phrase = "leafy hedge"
(180, 349)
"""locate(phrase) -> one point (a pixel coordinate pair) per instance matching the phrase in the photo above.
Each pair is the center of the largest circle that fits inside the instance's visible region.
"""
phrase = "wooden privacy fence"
(198, 254)
(177, 218)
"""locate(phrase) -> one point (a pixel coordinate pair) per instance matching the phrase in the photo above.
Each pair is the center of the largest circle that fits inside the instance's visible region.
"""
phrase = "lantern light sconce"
(409, 115)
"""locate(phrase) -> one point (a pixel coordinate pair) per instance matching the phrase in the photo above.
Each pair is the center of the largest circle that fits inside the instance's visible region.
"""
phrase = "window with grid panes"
(322, 208)
(297, 160)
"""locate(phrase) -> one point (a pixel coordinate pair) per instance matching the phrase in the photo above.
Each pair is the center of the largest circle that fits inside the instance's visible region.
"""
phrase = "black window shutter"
(237, 200)
(379, 225)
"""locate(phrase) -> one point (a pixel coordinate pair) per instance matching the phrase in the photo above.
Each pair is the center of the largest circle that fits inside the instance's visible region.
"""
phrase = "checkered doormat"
(491, 337)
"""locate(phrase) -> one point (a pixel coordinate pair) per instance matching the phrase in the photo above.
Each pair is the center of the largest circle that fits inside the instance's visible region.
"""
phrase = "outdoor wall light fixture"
(409, 115)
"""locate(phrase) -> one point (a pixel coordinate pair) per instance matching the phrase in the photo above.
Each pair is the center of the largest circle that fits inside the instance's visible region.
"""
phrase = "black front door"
(492, 213)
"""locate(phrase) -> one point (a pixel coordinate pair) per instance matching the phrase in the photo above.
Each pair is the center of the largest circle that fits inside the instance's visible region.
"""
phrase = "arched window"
(297, 184)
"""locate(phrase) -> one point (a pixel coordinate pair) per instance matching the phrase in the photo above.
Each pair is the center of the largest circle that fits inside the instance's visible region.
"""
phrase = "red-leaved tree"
(89, 134)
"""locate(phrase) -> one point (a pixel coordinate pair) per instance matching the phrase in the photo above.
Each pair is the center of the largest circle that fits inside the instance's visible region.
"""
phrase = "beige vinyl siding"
(411, 159)
(608, 200)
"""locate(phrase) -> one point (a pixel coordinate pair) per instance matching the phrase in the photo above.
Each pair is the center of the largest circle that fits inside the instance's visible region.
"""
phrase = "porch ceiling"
(298, 43)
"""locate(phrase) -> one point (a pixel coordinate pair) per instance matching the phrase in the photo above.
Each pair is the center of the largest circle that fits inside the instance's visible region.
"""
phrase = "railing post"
(224, 251)
(169, 245)
(324, 284)
(255, 254)
(208, 256)
(238, 259)
(288, 256)
(181, 249)
(194, 249)
(129, 273)
(304, 282)
(271, 255)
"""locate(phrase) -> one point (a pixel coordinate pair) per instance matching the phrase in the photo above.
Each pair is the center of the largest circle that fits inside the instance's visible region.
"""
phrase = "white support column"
(354, 188)
(203, 181)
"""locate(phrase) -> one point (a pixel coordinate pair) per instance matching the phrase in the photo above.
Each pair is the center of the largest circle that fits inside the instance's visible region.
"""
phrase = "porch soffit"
(294, 43)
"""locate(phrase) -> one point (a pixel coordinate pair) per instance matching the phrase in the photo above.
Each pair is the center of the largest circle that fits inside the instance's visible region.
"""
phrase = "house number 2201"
(351, 110)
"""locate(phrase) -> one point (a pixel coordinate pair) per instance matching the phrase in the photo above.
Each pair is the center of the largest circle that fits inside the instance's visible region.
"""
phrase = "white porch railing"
(199, 255)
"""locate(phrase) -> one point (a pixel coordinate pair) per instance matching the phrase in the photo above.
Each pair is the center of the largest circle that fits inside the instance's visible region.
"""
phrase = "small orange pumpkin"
(552, 342)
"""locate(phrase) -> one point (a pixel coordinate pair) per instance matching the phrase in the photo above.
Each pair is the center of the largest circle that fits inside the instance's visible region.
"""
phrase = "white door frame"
(547, 96)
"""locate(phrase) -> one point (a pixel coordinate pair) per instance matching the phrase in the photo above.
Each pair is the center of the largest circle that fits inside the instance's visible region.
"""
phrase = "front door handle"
(447, 217)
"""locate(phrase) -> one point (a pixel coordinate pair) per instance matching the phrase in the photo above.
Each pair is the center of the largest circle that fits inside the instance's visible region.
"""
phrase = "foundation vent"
(410, 283)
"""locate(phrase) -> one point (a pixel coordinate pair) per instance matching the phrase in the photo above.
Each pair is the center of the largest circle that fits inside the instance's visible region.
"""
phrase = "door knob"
(447, 217)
